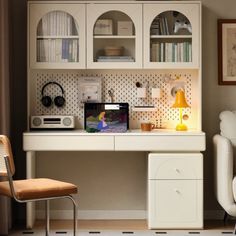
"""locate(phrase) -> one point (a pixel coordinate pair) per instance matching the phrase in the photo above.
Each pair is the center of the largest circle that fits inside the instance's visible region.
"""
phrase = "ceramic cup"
(147, 126)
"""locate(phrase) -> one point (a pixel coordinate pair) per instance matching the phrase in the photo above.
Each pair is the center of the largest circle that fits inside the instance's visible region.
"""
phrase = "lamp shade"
(180, 101)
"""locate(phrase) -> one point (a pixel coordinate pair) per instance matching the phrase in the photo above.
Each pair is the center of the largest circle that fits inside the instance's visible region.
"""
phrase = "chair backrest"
(5, 150)
(228, 125)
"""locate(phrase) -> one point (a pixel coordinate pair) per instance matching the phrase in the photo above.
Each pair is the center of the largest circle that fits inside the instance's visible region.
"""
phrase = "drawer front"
(160, 143)
(175, 203)
(175, 166)
(68, 143)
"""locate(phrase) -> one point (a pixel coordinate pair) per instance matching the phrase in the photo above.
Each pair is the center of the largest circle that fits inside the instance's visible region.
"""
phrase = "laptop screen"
(106, 117)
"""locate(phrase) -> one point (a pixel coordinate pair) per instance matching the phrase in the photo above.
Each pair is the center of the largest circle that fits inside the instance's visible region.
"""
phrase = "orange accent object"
(180, 100)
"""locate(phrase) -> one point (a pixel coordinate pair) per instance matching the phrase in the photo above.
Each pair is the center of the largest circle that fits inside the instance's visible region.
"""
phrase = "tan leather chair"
(30, 190)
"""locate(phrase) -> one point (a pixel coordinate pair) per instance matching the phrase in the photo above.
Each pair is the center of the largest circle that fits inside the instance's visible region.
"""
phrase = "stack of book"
(115, 59)
(160, 26)
(57, 50)
(155, 27)
(171, 52)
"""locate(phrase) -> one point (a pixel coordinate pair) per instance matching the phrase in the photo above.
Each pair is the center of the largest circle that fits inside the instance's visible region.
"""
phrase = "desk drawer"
(160, 143)
(68, 143)
(175, 166)
(175, 204)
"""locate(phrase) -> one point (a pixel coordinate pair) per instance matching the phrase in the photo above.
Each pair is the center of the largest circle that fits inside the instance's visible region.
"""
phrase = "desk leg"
(30, 173)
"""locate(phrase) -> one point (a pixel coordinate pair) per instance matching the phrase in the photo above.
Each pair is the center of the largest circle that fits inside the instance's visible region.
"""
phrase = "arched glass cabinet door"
(172, 36)
(114, 36)
(57, 36)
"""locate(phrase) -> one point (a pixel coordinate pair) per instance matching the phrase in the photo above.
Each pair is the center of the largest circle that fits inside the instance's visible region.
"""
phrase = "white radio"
(52, 122)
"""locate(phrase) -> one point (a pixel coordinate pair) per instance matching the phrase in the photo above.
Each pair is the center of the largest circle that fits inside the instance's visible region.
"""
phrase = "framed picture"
(227, 51)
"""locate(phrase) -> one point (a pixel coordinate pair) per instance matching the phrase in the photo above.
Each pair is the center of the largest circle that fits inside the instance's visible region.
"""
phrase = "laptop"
(106, 117)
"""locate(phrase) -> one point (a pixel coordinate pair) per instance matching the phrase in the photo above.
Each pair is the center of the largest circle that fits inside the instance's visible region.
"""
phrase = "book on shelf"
(160, 26)
(155, 27)
(115, 59)
(171, 52)
(155, 52)
(57, 50)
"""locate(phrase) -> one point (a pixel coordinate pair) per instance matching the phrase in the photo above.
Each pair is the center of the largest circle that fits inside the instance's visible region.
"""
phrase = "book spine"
(153, 53)
(176, 52)
(173, 52)
(38, 51)
(190, 52)
(166, 26)
(157, 52)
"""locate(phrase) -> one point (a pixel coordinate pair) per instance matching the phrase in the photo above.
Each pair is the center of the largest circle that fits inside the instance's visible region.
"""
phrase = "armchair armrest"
(223, 155)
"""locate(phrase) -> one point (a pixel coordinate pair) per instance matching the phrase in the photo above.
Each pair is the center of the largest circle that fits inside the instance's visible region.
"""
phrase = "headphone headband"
(52, 82)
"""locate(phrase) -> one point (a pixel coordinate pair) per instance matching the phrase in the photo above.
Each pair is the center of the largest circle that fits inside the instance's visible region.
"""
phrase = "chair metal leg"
(47, 216)
(75, 215)
(75, 218)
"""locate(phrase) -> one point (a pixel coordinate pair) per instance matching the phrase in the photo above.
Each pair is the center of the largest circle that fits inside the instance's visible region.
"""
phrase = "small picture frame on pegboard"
(89, 90)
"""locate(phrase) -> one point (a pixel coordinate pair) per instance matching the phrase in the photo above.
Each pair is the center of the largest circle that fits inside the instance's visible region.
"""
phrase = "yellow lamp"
(180, 102)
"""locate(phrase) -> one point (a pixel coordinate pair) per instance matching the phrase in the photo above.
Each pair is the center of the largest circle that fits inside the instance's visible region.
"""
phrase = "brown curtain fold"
(5, 203)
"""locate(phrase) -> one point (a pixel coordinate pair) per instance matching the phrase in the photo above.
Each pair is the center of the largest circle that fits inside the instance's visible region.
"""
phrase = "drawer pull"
(177, 170)
(177, 191)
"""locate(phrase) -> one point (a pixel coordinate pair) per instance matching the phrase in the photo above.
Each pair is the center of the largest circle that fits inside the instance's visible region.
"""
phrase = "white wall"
(215, 98)
(106, 180)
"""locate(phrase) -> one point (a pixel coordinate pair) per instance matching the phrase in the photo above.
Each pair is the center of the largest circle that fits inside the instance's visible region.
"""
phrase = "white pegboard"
(68, 81)
(123, 84)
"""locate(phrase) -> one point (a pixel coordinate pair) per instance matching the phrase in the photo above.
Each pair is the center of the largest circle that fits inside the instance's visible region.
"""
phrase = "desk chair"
(32, 190)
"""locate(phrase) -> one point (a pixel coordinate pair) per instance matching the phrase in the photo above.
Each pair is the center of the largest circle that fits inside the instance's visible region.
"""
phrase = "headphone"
(47, 101)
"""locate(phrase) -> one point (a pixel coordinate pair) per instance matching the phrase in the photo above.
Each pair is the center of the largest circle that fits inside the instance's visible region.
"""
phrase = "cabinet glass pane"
(114, 38)
(57, 38)
(171, 38)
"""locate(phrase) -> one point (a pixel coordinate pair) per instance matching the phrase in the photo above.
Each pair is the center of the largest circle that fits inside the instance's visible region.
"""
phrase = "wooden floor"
(123, 225)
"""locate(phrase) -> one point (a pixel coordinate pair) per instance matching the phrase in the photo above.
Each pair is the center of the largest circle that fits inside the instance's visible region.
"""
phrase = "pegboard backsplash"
(123, 85)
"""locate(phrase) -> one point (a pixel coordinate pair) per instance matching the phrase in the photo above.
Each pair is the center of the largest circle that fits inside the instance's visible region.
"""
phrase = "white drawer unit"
(175, 190)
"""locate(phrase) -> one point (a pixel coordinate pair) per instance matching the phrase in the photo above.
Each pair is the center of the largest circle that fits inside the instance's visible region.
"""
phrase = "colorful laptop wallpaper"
(106, 117)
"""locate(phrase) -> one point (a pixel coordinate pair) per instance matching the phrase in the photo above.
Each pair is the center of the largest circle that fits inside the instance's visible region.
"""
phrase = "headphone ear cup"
(46, 101)
(59, 101)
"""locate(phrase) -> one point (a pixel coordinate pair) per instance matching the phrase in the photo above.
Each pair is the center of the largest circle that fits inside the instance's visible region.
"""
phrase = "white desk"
(134, 140)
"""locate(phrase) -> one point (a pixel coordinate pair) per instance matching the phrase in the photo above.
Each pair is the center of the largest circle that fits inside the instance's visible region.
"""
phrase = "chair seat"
(38, 188)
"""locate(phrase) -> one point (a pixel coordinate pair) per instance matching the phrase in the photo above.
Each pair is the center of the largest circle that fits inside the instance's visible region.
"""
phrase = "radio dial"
(67, 121)
(37, 121)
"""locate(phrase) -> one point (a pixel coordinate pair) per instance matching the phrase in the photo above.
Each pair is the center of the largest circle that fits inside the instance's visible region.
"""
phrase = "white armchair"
(224, 154)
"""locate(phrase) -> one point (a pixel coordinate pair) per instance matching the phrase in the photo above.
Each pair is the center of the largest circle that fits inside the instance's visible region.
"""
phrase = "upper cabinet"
(114, 35)
(56, 36)
(171, 35)
(95, 35)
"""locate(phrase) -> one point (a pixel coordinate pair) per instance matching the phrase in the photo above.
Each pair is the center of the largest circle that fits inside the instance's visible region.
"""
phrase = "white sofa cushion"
(228, 125)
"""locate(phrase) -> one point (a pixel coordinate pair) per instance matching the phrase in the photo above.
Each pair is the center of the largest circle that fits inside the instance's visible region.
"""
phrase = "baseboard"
(94, 215)
(213, 215)
(116, 215)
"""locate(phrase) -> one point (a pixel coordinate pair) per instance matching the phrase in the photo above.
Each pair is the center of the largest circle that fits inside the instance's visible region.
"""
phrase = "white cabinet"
(172, 35)
(112, 49)
(175, 190)
(56, 35)
(78, 35)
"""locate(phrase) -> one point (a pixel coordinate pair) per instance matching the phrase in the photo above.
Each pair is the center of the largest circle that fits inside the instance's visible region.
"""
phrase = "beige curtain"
(5, 206)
